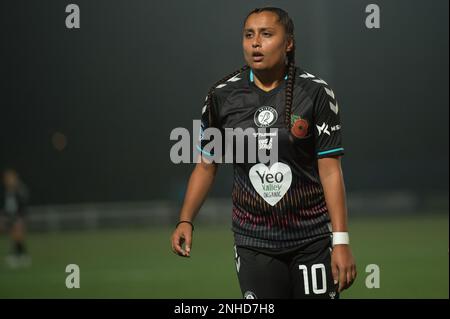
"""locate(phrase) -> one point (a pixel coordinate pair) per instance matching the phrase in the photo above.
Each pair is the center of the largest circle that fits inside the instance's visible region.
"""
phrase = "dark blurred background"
(112, 91)
(86, 115)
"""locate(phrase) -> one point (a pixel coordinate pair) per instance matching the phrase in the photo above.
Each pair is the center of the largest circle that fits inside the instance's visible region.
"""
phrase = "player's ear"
(289, 44)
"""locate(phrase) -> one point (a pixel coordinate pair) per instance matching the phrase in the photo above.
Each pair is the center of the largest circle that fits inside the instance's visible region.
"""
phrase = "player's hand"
(343, 266)
(182, 235)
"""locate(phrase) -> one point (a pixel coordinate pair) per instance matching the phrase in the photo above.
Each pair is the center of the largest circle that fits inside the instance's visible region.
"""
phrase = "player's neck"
(267, 80)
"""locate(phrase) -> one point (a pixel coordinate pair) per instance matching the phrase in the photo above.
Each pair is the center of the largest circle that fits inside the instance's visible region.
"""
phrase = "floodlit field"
(412, 253)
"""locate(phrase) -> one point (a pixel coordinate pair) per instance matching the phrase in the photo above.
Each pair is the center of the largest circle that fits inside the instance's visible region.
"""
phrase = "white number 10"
(314, 269)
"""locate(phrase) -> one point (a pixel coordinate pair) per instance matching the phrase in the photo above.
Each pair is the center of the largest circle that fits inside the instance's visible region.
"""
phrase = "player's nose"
(256, 41)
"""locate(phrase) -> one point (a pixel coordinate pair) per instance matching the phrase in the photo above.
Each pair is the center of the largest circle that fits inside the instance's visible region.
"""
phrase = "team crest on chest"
(265, 116)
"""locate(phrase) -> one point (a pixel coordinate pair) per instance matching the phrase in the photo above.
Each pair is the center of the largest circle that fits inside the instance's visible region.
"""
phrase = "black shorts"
(300, 272)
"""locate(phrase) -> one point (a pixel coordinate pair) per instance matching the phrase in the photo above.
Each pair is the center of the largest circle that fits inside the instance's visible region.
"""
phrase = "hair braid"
(290, 87)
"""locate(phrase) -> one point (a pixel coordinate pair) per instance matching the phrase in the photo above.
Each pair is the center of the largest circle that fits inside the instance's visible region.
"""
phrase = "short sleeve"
(327, 124)
(208, 120)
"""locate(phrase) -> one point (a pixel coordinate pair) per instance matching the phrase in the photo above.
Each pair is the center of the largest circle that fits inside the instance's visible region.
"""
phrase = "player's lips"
(257, 56)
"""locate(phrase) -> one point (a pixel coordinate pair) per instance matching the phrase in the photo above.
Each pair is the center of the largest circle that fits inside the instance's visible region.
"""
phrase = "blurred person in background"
(13, 209)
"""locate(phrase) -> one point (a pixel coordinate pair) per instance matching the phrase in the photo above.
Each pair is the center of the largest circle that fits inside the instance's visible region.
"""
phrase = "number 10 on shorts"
(315, 285)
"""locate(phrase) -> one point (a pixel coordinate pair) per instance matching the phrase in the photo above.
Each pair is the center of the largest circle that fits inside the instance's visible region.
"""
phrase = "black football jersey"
(276, 204)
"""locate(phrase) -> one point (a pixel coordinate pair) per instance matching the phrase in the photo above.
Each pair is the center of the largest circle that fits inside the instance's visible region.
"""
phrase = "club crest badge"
(265, 116)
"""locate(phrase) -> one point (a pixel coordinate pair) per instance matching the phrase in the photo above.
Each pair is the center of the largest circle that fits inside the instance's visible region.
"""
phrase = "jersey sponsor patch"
(323, 129)
(265, 144)
(265, 116)
(271, 183)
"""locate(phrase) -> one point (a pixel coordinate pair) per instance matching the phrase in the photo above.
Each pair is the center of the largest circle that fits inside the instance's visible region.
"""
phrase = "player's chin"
(261, 65)
(258, 66)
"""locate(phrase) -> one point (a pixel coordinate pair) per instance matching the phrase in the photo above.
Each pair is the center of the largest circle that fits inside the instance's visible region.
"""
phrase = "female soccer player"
(289, 219)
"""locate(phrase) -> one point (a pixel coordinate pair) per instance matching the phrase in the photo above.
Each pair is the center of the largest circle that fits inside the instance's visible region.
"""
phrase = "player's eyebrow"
(260, 29)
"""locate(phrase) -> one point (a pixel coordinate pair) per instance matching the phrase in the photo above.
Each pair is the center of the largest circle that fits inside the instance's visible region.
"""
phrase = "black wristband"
(185, 221)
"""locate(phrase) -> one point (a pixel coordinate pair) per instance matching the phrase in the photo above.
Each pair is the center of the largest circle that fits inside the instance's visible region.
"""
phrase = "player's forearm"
(334, 190)
(199, 184)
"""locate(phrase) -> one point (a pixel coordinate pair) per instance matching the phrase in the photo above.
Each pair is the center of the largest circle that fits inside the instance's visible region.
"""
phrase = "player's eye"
(267, 34)
(248, 35)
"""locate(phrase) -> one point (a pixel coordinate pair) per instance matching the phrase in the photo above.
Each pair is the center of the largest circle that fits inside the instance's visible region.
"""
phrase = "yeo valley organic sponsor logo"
(271, 183)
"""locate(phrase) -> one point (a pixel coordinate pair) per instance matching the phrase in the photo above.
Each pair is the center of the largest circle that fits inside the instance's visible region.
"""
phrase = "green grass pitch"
(412, 253)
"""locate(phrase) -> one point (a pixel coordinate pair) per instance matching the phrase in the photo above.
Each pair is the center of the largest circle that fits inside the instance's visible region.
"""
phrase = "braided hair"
(288, 25)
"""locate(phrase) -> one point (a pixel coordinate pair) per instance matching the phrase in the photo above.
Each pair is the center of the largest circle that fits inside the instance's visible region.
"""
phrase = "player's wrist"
(340, 238)
(185, 221)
